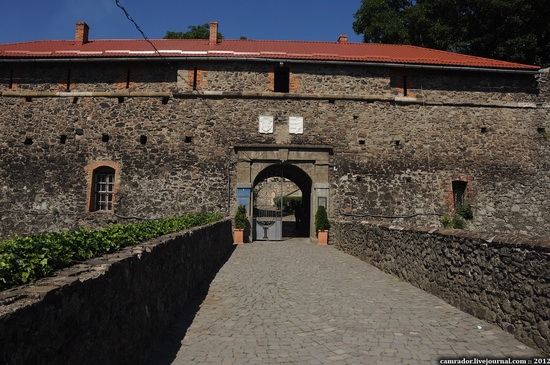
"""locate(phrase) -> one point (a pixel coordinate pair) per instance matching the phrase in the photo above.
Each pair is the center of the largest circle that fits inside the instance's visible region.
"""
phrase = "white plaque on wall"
(296, 125)
(266, 124)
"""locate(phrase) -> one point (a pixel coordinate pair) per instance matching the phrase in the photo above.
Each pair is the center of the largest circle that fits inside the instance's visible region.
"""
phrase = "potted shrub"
(240, 223)
(322, 225)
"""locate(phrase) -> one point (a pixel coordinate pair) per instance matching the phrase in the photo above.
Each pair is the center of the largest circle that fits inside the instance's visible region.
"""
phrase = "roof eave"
(532, 71)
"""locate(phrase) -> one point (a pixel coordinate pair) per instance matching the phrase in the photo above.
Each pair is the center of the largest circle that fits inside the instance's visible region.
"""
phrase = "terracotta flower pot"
(238, 236)
(322, 238)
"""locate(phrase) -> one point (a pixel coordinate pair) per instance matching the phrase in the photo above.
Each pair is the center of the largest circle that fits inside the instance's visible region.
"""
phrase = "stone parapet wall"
(473, 86)
(231, 76)
(88, 77)
(349, 80)
(111, 309)
(502, 279)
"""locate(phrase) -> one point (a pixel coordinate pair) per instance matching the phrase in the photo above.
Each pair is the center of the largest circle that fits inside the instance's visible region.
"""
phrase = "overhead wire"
(136, 25)
(178, 76)
(144, 36)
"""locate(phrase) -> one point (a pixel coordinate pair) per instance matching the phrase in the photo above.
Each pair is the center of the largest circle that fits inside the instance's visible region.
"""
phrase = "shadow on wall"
(113, 309)
(166, 352)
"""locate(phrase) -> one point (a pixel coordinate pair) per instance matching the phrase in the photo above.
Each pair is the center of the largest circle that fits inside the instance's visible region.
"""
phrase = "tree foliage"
(383, 21)
(513, 30)
(194, 32)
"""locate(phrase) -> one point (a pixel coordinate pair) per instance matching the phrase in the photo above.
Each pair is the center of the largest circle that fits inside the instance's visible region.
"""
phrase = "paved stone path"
(294, 302)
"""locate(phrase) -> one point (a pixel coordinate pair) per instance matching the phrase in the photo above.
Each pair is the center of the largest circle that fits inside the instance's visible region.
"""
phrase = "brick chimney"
(343, 38)
(81, 36)
(213, 33)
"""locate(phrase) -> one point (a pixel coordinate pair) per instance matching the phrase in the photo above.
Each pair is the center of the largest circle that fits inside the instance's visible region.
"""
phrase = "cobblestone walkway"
(294, 302)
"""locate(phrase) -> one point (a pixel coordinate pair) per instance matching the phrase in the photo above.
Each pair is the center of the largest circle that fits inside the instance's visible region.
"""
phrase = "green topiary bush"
(241, 220)
(321, 219)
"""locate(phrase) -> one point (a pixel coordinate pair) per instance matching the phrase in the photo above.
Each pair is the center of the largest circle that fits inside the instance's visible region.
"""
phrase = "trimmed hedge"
(23, 260)
(289, 203)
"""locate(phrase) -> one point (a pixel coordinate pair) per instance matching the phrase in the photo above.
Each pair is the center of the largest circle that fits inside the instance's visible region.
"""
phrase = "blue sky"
(309, 20)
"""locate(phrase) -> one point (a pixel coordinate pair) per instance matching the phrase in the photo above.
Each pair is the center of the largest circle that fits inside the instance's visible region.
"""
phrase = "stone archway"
(271, 219)
(307, 167)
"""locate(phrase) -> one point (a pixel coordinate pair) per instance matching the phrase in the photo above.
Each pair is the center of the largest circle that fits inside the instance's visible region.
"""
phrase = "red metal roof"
(252, 49)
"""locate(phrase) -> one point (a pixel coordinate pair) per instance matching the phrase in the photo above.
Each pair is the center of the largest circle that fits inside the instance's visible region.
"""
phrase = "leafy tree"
(194, 32)
(383, 21)
(513, 30)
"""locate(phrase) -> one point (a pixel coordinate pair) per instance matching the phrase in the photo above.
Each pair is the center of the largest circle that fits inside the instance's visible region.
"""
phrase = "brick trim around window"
(109, 186)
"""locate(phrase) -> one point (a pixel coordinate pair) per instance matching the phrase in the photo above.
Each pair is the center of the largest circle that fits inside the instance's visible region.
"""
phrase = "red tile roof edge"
(282, 49)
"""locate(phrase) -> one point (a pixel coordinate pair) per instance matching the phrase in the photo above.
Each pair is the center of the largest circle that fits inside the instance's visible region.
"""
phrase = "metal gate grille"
(268, 206)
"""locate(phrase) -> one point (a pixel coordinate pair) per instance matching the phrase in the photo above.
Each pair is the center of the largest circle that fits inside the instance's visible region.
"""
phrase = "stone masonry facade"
(400, 137)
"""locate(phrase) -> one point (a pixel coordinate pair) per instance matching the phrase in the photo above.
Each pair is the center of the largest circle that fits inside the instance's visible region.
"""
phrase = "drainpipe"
(229, 168)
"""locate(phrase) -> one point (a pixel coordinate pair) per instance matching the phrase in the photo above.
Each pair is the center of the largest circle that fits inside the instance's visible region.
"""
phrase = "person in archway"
(304, 217)
(298, 214)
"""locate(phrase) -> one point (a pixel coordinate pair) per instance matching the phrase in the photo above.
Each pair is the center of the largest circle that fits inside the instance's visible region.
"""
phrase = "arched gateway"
(305, 166)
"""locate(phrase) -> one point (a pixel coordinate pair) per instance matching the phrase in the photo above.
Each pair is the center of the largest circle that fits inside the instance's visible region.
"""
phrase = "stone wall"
(394, 157)
(112, 309)
(502, 279)
(231, 76)
(88, 77)
(473, 86)
(544, 85)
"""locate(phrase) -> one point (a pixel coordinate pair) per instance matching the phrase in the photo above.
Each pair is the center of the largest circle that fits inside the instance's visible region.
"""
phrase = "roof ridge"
(238, 40)
(38, 41)
(233, 40)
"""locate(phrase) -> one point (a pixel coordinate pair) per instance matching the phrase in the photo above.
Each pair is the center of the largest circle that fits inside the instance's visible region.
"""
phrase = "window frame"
(281, 79)
(459, 188)
(103, 183)
(103, 189)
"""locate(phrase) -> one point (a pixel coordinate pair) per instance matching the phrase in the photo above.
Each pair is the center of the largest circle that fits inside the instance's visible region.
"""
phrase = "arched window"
(459, 192)
(103, 189)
